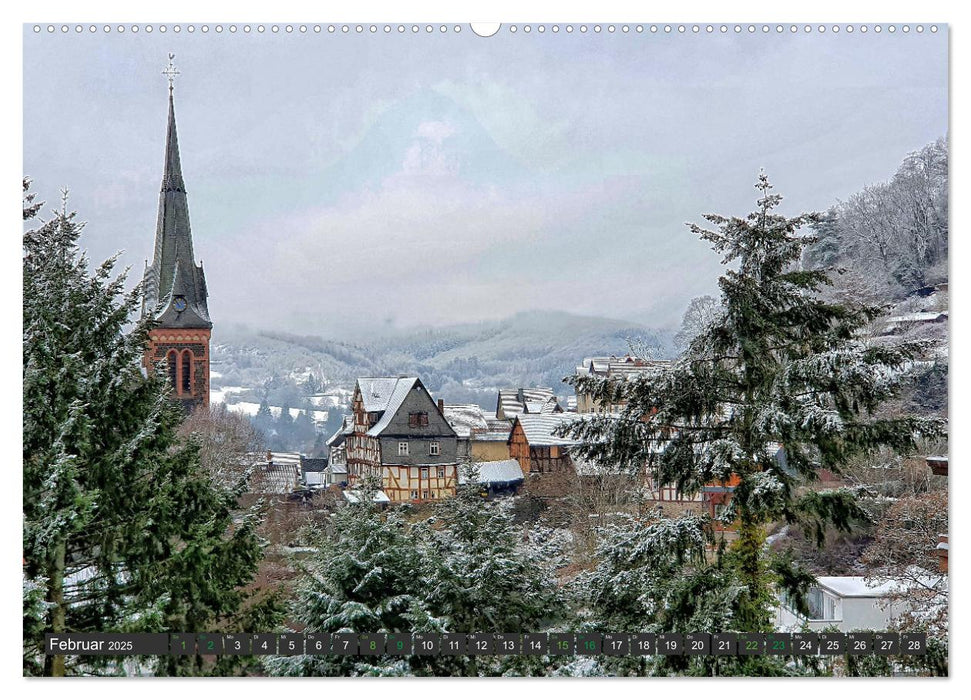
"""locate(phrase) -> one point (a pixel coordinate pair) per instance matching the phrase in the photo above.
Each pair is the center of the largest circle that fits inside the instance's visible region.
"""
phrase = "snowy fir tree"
(483, 575)
(464, 570)
(778, 385)
(263, 420)
(363, 577)
(671, 575)
(284, 424)
(123, 530)
(304, 429)
(35, 621)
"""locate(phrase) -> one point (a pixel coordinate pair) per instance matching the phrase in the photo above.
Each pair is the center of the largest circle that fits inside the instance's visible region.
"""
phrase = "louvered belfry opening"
(173, 363)
(186, 371)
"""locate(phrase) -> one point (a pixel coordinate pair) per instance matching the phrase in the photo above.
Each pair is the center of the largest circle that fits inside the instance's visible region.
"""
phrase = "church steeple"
(175, 294)
(187, 307)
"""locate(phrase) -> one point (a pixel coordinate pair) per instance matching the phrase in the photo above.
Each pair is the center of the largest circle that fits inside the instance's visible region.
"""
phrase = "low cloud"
(411, 250)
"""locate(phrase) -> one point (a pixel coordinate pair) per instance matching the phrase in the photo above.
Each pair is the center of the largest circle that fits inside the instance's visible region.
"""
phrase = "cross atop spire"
(170, 72)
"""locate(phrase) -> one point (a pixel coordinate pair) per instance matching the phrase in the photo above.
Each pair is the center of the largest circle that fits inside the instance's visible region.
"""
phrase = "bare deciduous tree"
(904, 551)
(227, 443)
(702, 311)
(894, 233)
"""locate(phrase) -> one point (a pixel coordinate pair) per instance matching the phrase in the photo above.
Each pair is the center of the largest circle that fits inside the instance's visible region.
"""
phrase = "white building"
(849, 603)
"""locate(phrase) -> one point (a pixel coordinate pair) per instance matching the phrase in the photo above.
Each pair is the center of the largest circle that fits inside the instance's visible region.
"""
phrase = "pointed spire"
(172, 178)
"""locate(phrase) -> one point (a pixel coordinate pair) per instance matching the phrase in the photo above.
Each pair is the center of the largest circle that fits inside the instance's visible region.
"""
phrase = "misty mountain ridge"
(462, 363)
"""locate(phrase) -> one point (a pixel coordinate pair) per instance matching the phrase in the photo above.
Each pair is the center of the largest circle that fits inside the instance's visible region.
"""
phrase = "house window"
(815, 600)
(830, 608)
(402, 449)
(822, 606)
(434, 448)
(424, 472)
(414, 495)
(419, 419)
(441, 472)
(426, 495)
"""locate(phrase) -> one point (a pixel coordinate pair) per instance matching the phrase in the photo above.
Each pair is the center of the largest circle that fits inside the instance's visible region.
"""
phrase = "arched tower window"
(173, 363)
(186, 371)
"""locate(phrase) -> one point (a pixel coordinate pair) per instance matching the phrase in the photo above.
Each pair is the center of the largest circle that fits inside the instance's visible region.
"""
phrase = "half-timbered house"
(533, 442)
(401, 437)
(616, 369)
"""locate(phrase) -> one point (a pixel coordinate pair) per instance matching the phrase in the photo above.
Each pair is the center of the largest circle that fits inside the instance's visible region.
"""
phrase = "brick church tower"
(175, 287)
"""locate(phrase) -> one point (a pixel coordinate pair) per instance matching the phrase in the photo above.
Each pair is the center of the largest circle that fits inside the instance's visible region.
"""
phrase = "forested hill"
(890, 240)
(461, 363)
(887, 245)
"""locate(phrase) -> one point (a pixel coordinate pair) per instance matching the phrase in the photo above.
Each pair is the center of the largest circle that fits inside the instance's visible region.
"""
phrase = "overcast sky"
(432, 179)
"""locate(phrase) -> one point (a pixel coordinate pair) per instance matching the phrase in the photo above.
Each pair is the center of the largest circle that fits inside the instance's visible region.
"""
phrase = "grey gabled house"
(400, 435)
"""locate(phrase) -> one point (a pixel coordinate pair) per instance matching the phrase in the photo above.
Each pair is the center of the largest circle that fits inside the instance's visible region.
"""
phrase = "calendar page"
(449, 349)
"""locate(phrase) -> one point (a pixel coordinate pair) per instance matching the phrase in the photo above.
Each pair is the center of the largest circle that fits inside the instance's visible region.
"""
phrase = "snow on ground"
(219, 395)
(249, 408)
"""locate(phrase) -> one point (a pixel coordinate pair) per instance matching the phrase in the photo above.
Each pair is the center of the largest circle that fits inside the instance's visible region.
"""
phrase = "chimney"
(441, 406)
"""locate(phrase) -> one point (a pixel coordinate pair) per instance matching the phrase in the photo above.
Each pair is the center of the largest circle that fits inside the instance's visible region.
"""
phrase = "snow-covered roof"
(621, 367)
(354, 496)
(465, 419)
(492, 435)
(394, 400)
(498, 425)
(501, 471)
(549, 406)
(918, 317)
(855, 586)
(347, 427)
(376, 392)
(279, 478)
(859, 587)
(539, 428)
(512, 402)
(280, 458)
(894, 323)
